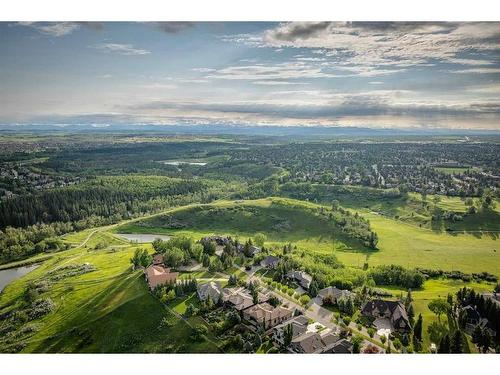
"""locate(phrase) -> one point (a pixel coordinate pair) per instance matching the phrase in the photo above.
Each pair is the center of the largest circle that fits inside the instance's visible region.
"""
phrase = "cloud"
(278, 83)
(477, 71)
(58, 29)
(300, 30)
(172, 27)
(121, 49)
(383, 44)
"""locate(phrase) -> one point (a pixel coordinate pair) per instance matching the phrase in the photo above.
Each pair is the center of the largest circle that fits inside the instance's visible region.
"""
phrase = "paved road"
(313, 311)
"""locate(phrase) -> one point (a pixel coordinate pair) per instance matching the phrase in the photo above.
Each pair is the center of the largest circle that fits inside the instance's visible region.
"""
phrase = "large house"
(299, 326)
(240, 298)
(270, 262)
(237, 298)
(334, 294)
(473, 319)
(392, 310)
(341, 346)
(159, 275)
(210, 290)
(301, 277)
(265, 315)
(307, 343)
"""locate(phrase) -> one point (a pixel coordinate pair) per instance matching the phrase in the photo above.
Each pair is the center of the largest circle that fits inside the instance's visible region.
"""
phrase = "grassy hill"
(284, 220)
(99, 311)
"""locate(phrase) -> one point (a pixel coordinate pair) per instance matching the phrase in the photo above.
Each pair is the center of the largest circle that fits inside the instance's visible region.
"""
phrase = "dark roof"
(334, 292)
(269, 261)
(342, 346)
(394, 309)
(309, 342)
(472, 313)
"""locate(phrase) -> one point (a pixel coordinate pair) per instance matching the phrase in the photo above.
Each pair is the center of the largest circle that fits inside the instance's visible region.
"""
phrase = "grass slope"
(100, 311)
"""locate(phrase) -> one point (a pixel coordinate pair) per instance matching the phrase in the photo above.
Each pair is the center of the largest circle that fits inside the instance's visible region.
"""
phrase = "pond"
(177, 163)
(11, 274)
(142, 238)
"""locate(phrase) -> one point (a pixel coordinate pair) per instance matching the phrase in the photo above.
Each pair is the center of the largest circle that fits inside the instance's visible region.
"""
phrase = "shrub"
(304, 300)
(371, 332)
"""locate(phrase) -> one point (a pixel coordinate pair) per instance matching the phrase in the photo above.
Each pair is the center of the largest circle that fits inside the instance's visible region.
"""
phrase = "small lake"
(142, 238)
(11, 274)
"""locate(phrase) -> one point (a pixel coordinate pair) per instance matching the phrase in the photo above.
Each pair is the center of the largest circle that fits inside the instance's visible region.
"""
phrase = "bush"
(371, 332)
(397, 275)
(40, 308)
(304, 300)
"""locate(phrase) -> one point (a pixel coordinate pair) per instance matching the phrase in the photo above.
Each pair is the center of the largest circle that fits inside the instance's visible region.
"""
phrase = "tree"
(444, 345)
(417, 329)
(457, 343)
(439, 306)
(397, 344)
(405, 340)
(477, 335)
(356, 344)
(287, 335)
(206, 260)
(304, 299)
(174, 257)
(485, 341)
(141, 258)
(408, 299)
(209, 247)
(260, 239)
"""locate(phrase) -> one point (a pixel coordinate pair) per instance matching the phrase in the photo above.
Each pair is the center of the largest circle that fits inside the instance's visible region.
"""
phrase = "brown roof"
(157, 259)
(267, 314)
(159, 275)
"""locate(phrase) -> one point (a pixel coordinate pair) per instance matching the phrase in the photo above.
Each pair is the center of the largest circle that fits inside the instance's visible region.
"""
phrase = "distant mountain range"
(306, 131)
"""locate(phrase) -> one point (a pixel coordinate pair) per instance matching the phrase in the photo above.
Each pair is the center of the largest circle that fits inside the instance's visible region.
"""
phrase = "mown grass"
(400, 243)
(435, 288)
(107, 310)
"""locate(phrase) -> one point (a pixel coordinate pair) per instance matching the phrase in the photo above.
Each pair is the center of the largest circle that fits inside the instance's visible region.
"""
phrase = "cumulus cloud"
(121, 49)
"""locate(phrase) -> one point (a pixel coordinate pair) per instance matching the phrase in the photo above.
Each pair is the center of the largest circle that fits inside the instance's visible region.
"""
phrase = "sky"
(364, 74)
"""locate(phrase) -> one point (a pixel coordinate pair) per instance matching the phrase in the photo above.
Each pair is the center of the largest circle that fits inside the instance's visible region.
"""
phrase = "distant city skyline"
(363, 74)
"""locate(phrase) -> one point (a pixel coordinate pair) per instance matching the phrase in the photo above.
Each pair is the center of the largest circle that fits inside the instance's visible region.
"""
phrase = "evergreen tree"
(417, 329)
(456, 345)
(444, 344)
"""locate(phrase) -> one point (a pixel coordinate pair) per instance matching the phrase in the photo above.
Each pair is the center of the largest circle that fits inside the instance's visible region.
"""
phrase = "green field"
(399, 242)
(94, 310)
(100, 311)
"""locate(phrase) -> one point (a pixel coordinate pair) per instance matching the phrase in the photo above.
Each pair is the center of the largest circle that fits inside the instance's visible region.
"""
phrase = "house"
(158, 259)
(392, 310)
(334, 294)
(239, 298)
(493, 297)
(159, 275)
(270, 262)
(301, 277)
(251, 252)
(341, 346)
(299, 326)
(307, 343)
(210, 290)
(473, 319)
(471, 314)
(265, 315)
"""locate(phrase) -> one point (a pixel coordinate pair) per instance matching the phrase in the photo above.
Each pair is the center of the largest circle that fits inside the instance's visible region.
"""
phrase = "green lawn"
(435, 288)
(107, 310)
